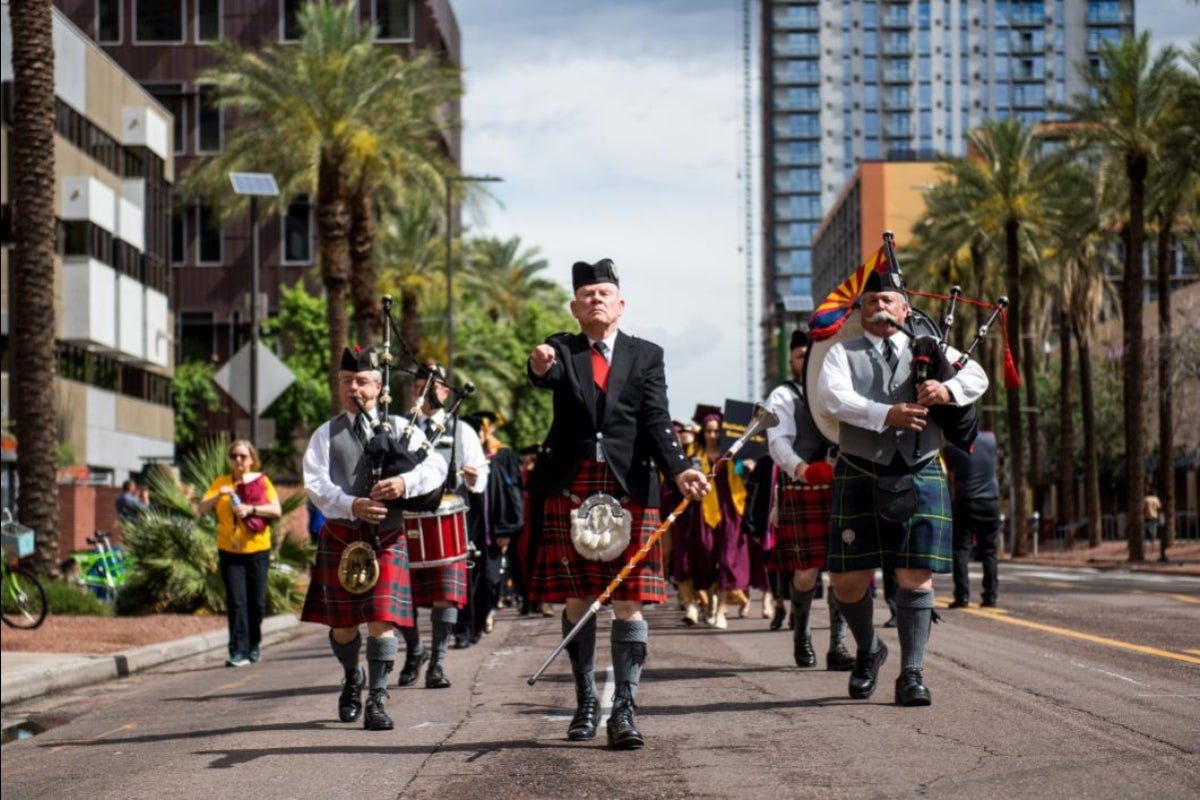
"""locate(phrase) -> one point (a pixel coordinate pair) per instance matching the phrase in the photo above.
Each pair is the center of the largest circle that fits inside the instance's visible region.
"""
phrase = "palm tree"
(410, 265)
(34, 330)
(502, 278)
(1125, 117)
(312, 114)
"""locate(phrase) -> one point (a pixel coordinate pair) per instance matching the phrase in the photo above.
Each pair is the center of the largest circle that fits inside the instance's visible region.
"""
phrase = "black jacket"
(635, 432)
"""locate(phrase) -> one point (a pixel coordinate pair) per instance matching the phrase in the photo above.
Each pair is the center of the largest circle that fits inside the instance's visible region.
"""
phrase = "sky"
(617, 127)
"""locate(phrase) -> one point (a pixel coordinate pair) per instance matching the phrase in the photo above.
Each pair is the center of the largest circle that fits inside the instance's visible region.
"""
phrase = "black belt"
(898, 466)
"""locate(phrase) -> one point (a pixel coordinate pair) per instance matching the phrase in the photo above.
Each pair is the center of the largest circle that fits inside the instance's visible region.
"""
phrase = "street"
(1082, 683)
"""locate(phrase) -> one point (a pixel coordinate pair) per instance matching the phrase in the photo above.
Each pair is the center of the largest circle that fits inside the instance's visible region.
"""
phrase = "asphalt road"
(1083, 684)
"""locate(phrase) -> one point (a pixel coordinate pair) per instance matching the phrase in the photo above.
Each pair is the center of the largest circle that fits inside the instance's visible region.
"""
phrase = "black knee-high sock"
(860, 617)
(582, 651)
(629, 645)
(347, 654)
(412, 639)
(444, 620)
(914, 618)
(801, 607)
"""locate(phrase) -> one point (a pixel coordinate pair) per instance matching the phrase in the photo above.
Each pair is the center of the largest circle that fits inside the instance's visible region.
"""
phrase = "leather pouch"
(895, 497)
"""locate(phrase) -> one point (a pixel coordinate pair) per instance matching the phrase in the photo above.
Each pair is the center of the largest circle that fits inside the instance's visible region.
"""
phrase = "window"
(298, 233)
(208, 121)
(208, 20)
(108, 21)
(394, 18)
(171, 97)
(289, 25)
(208, 236)
(179, 236)
(159, 20)
(197, 336)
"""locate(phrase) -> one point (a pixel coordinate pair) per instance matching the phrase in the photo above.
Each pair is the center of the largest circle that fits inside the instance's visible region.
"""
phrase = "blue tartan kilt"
(860, 539)
(390, 600)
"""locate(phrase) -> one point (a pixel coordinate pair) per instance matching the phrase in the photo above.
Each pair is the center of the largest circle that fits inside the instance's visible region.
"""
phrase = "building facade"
(852, 81)
(114, 168)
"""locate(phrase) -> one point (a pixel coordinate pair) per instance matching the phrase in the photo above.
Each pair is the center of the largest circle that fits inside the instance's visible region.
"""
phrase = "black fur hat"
(585, 274)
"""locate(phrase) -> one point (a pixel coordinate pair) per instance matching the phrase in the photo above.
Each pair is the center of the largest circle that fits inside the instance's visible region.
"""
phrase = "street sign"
(274, 377)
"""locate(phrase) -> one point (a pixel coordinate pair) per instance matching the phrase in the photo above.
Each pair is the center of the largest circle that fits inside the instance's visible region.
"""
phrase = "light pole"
(450, 180)
(254, 185)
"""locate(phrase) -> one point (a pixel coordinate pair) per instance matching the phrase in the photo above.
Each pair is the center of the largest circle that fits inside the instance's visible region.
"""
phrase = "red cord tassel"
(1012, 379)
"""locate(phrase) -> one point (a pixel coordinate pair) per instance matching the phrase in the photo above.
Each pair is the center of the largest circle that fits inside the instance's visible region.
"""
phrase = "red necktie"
(600, 366)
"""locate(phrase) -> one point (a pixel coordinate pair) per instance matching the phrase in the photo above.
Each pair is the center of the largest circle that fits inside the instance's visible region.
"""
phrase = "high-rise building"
(849, 81)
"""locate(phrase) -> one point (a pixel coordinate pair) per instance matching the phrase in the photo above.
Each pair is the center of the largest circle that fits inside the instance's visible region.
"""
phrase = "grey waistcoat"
(450, 440)
(808, 444)
(350, 469)
(872, 379)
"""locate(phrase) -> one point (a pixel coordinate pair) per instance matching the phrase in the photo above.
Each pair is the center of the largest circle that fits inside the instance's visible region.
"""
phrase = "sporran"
(601, 528)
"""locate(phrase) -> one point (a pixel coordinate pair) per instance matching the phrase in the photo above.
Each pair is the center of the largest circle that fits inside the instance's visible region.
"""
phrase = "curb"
(29, 680)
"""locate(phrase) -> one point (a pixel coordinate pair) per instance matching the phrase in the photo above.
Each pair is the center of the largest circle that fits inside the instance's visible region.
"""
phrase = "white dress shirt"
(337, 504)
(781, 438)
(469, 450)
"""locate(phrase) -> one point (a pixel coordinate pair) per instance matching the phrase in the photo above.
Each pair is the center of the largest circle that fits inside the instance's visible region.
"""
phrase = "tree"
(35, 327)
(192, 393)
(1125, 115)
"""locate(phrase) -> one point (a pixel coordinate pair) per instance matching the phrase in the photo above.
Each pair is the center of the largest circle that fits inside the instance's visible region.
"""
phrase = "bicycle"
(103, 569)
(22, 596)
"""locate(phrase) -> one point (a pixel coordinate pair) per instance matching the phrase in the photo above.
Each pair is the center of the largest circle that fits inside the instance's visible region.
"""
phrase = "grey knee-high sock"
(629, 640)
(837, 624)
(801, 607)
(347, 654)
(860, 617)
(444, 620)
(582, 651)
(412, 639)
(914, 618)
(381, 655)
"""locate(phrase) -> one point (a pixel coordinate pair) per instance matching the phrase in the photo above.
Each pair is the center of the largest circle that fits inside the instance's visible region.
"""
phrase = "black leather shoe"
(863, 679)
(412, 665)
(435, 678)
(802, 650)
(959, 604)
(988, 604)
(839, 660)
(376, 718)
(891, 623)
(911, 690)
(622, 735)
(586, 720)
(350, 701)
(777, 618)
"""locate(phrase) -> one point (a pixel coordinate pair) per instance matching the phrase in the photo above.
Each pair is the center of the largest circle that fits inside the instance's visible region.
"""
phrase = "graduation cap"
(481, 419)
(529, 450)
(800, 337)
(585, 274)
(704, 411)
(357, 359)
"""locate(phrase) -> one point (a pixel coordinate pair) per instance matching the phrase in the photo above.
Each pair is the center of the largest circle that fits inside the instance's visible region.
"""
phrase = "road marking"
(1185, 598)
(1193, 652)
(988, 613)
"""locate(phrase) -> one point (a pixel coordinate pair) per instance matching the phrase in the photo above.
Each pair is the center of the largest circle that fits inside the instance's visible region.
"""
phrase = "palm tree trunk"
(367, 309)
(1029, 358)
(1066, 422)
(410, 328)
(1131, 307)
(987, 359)
(1166, 395)
(1091, 447)
(34, 354)
(333, 243)
(1016, 446)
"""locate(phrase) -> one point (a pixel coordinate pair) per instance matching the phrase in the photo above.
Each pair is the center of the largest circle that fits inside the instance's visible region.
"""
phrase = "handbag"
(895, 497)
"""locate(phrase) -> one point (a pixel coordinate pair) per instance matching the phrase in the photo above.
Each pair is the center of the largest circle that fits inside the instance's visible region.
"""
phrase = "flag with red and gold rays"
(835, 308)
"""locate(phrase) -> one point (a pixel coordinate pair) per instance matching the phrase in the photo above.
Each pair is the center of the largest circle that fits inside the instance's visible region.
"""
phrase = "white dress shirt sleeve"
(430, 473)
(838, 398)
(969, 384)
(333, 502)
(473, 456)
(781, 438)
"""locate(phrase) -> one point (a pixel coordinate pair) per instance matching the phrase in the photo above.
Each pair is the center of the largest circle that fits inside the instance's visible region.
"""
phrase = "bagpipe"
(927, 341)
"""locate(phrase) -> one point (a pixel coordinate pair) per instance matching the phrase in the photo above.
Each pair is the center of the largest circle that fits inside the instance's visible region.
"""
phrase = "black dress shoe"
(839, 660)
(350, 701)
(622, 735)
(988, 604)
(864, 677)
(412, 665)
(435, 678)
(910, 689)
(891, 623)
(376, 718)
(461, 642)
(777, 618)
(802, 650)
(959, 604)
(586, 720)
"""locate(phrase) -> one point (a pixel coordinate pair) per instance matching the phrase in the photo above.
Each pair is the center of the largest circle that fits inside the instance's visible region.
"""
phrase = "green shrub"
(72, 599)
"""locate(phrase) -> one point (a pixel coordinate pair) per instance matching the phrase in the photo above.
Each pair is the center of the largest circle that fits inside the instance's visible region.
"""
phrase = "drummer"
(444, 588)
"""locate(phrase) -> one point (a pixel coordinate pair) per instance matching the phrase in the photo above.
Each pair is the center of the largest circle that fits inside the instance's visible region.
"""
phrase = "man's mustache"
(884, 316)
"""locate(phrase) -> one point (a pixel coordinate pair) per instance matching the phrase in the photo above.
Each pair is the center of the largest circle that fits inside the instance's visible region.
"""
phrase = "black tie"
(889, 354)
(362, 428)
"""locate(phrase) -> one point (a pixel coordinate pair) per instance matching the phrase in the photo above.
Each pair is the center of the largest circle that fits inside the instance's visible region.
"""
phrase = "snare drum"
(437, 537)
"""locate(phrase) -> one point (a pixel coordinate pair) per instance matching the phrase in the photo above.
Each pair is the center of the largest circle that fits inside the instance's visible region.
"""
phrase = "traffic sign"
(274, 377)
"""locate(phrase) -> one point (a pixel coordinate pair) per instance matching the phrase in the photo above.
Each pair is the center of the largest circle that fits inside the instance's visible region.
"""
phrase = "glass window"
(108, 21)
(394, 18)
(870, 15)
(290, 28)
(871, 148)
(179, 236)
(298, 233)
(871, 70)
(208, 20)
(197, 336)
(208, 121)
(159, 20)
(208, 236)
(171, 97)
(871, 123)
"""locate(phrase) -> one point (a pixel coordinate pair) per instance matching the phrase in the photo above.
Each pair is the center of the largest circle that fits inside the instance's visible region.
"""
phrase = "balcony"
(131, 320)
(89, 290)
(897, 48)
(895, 18)
(897, 75)
(156, 330)
(897, 101)
(1108, 16)
(793, 18)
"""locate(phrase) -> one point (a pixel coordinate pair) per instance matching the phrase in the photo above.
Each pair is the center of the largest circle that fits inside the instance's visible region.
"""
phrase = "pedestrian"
(802, 511)
(610, 429)
(129, 502)
(445, 589)
(682, 553)
(1151, 514)
(245, 500)
(361, 509)
(890, 500)
(975, 490)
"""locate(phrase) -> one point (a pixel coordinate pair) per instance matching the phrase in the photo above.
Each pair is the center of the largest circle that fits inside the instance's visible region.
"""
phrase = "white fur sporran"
(601, 528)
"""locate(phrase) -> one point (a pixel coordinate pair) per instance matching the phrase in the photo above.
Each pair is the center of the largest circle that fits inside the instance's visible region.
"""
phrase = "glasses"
(238, 456)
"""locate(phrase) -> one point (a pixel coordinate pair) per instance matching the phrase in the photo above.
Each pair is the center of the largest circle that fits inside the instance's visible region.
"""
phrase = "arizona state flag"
(834, 310)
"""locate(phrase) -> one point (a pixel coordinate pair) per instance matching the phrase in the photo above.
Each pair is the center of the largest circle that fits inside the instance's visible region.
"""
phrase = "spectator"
(129, 503)
(1151, 512)
(976, 504)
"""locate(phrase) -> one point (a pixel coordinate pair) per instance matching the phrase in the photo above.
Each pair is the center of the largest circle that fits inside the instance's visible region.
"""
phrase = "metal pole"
(449, 290)
(254, 288)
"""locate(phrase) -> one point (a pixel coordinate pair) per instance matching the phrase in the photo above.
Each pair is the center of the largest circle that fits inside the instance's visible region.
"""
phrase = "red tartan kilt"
(559, 572)
(327, 603)
(802, 528)
(446, 582)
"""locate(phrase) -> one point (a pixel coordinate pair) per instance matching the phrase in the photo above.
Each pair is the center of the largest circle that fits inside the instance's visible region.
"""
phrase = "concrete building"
(856, 81)
(115, 166)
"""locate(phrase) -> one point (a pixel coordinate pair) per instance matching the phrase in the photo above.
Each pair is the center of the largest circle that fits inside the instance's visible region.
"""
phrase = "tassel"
(1012, 380)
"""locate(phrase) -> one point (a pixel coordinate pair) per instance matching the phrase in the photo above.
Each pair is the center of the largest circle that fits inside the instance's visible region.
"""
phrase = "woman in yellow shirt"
(244, 500)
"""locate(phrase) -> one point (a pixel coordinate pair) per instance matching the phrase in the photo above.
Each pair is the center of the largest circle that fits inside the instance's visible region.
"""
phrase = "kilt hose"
(801, 527)
(327, 603)
(446, 582)
(860, 539)
(559, 571)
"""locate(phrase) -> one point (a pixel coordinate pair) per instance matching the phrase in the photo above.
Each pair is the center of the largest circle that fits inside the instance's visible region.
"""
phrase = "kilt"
(801, 527)
(559, 572)
(860, 539)
(327, 603)
(445, 582)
